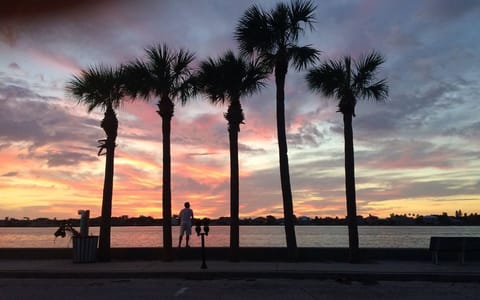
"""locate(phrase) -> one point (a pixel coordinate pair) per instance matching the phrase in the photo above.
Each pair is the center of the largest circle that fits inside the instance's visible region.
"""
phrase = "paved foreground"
(126, 279)
(263, 288)
(392, 270)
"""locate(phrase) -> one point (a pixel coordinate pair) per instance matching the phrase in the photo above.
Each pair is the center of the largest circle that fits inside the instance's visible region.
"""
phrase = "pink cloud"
(56, 60)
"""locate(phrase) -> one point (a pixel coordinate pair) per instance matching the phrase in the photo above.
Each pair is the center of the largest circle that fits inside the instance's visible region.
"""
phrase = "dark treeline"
(444, 219)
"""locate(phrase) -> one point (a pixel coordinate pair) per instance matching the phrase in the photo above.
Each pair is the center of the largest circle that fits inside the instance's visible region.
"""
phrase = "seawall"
(222, 253)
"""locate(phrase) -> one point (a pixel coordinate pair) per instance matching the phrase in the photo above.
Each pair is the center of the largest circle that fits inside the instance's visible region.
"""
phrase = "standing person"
(186, 221)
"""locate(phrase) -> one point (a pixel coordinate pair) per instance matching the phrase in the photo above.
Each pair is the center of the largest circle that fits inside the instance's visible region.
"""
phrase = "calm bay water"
(250, 236)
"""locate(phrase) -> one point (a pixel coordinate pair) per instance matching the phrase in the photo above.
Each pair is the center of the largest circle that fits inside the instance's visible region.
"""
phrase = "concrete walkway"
(388, 270)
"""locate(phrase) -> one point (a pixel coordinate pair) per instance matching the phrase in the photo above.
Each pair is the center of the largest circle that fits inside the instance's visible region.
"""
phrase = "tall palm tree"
(166, 75)
(272, 36)
(102, 87)
(226, 80)
(337, 78)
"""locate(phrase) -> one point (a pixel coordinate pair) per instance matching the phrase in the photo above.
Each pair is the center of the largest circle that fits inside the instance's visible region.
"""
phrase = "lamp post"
(198, 230)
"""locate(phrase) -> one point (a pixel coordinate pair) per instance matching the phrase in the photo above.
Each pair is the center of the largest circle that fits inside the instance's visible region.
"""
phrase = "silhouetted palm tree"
(164, 74)
(226, 80)
(272, 36)
(336, 78)
(102, 87)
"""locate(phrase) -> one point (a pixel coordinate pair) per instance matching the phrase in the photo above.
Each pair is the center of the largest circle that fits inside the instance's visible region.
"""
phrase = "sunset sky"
(416, 153)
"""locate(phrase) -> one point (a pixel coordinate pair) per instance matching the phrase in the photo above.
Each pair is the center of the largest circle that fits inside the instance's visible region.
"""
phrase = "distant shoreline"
(393, 220)
(249, 225)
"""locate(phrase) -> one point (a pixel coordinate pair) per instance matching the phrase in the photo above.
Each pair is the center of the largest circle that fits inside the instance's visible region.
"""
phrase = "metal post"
(204, 265)
(198, 230)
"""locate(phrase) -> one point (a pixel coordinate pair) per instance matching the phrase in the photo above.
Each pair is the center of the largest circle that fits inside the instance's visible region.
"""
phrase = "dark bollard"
(198, 230)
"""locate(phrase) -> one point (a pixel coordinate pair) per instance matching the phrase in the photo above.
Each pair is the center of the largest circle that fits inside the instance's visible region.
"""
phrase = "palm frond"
(163, 72)
(253, 31)
(377, 91)
(208, 80)
(366, 68)
(328, 78)
(347, 65)
(138, 80)
(303, 56)
(301, 11)
(280, 25)
(229, 77)
(256, 74)
(181, 77)
(159, 64)
(186, 89)
(98, 86)
(182, 59)
(336, 79)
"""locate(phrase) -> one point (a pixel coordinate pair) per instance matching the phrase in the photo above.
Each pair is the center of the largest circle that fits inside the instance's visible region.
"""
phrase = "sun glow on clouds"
(417, 153)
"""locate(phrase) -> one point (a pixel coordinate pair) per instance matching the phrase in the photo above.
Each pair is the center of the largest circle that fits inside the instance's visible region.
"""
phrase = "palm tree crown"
(165, 73)
(336, 78)
(273, 35)
(98, 86)
(229, 77)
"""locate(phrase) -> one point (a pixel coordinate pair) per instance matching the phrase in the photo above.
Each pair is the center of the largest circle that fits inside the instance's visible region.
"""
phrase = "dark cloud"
(8, 35)
(309, 135)
(202, 154)
(470, 131)
(246, 148)
(415, 188)
(16, 92)
(445, 10)
(410, 112)
(208, 130)
(28, 117)
(35, 10)
(398, 38)
(409, 154)
(382, 123)
(14, 66)
(65, 158)
(183, 183)
(9, 174)
(36, 122)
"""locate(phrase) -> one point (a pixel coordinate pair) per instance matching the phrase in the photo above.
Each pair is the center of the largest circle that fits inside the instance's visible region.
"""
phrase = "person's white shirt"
(186, 215)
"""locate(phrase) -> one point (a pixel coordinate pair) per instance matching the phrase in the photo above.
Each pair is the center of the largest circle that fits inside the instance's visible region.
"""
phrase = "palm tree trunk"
(350, 188)
(110, 126)
(280, 74)
(234, 117)
(166, 107)
(234, 196)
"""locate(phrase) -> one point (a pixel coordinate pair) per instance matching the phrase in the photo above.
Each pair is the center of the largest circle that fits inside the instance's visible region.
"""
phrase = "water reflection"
(250, 236)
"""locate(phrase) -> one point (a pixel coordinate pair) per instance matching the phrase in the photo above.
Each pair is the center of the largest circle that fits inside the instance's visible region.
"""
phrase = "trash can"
(85, 249)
